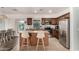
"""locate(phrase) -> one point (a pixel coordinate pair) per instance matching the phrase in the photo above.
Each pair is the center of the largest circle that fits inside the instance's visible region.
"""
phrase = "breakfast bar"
(33, 38)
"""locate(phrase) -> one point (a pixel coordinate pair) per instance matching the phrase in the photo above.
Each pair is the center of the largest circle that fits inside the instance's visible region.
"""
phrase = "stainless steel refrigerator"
(64, 32)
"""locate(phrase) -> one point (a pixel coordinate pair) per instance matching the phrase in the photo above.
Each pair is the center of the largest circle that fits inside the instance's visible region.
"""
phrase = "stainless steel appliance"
(64, 32)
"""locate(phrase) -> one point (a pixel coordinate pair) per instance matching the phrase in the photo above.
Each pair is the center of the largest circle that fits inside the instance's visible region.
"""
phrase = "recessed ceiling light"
(50, 11)
(35, 11)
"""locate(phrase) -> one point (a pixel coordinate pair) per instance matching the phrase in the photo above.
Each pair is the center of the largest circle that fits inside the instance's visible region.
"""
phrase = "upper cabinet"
(29, 21)
(43, 21)
(46, 21)
(65, 16)
(54, 21)
(49, 21)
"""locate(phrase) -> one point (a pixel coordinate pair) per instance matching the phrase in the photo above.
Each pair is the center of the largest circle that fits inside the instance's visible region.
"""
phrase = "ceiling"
(31, 10)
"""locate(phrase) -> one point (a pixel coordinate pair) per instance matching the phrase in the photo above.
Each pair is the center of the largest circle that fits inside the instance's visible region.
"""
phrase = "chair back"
(3, 33)
(25, 34)
(40, 34)
(10, 32)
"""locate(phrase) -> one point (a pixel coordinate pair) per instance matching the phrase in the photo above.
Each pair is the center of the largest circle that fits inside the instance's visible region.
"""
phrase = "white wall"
(74, 28)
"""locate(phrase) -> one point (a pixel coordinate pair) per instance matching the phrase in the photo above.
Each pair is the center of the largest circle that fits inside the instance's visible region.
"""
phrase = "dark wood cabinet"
(54, 21)
(29, 21)
(55, 33)
(65, 16)
(49, 21)
(43, 21)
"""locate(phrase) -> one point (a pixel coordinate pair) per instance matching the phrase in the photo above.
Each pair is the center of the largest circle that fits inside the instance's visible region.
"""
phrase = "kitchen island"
(33, 37)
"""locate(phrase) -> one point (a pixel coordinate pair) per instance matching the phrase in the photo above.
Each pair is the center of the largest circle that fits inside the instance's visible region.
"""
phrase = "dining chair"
(10, 34)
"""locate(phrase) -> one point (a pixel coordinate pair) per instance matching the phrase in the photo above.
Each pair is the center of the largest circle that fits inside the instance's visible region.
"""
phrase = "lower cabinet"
(55, 33)
(33, 39)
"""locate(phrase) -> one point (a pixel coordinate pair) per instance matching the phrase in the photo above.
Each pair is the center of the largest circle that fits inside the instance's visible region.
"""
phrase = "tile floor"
(54, 45)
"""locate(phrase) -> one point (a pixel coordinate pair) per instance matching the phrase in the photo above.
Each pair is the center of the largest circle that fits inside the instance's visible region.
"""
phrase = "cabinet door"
(54, 21)
(55, 33)
(43, 21)
(29, 21)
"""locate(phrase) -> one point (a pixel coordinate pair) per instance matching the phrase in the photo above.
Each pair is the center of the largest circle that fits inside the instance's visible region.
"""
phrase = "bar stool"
(40, 36)
(25, 37)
